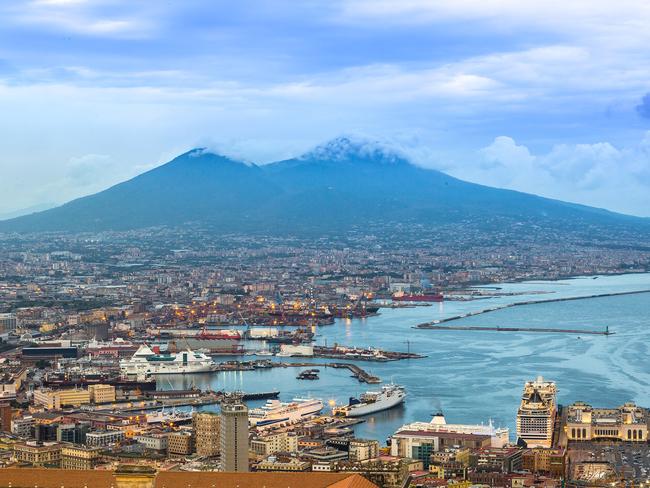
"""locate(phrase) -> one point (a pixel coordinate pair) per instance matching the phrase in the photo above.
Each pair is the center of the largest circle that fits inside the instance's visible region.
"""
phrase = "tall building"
(207, 428)
(234, 436)
(6, 413)
(537, 412)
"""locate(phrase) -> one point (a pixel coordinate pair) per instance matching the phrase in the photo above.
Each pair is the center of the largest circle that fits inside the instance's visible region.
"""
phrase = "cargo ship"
(275, 412)
(215, 341)
(419, 297)
(372, 401)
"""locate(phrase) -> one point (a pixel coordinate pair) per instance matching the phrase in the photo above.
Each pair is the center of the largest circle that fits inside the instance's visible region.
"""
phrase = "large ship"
(276, 412)
(372, 401)
(216, 341)
(172, 417)
(418, 297)
(147, 362)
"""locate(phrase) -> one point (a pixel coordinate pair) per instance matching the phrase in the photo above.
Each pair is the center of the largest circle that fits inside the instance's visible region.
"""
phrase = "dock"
(357, 354)
(360, 374)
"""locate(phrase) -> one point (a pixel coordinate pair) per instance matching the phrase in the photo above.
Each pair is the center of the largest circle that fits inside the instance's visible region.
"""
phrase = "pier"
(358, 354)
(542, 330)
(360, 374)
(435, 324)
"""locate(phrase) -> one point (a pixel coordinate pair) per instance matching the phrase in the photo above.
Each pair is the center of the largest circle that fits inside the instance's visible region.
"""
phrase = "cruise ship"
(372, 401)
(276, 412)
(147, 362)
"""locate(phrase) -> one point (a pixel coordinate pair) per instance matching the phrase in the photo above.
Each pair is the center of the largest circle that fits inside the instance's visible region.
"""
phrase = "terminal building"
(537, 413)
(627, 423)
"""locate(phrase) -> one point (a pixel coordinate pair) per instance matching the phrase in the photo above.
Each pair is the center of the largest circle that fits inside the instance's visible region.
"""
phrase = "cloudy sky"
(549, 97)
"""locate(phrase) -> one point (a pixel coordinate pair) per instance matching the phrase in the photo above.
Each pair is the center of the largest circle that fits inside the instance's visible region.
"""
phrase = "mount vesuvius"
(337, 186)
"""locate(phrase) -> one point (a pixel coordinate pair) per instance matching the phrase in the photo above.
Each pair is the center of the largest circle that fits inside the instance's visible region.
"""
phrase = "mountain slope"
(334, 187)
(195, 186)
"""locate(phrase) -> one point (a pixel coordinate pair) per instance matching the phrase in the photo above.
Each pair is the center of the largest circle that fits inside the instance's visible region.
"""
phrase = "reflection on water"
(472, 375)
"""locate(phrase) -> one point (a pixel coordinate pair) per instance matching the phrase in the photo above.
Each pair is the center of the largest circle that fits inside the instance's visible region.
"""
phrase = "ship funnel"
(438, 419)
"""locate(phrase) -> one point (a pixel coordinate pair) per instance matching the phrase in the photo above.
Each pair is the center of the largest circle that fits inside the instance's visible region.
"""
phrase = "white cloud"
(597, 174)
(572, 18)
(95, 18)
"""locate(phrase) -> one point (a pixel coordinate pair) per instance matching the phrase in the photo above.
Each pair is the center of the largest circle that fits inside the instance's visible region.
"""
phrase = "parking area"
(631, 462)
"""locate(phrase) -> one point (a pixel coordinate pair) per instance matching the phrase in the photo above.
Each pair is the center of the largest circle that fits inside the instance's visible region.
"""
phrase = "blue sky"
(546, 97)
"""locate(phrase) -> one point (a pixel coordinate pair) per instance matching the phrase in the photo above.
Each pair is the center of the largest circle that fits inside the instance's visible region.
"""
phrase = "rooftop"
(59, 478)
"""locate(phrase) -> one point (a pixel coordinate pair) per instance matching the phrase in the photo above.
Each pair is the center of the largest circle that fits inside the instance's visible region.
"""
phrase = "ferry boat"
(147, 362)
(372, 401)
(275, 412)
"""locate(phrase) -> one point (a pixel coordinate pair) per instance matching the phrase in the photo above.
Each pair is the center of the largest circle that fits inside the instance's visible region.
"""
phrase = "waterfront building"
(627, 423)
(234, 436)
(55, 399)
(207, 429)
(537, 413)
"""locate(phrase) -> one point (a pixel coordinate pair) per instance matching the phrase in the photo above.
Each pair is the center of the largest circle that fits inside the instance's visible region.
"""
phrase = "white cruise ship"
(147, 362)
(372, 401)
(276, 412)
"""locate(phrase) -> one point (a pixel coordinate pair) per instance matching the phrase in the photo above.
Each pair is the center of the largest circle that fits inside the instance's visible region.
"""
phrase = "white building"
(104, 438)
(157, 441)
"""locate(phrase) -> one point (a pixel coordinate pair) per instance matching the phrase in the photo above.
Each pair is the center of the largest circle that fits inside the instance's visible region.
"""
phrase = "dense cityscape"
(324, 244)
(93, 324)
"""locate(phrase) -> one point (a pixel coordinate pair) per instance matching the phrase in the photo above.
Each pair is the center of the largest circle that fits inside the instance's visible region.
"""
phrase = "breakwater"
(435, 325)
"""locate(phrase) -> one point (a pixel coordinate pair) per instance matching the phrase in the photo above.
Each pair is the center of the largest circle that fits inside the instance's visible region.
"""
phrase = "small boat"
(308, 374)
